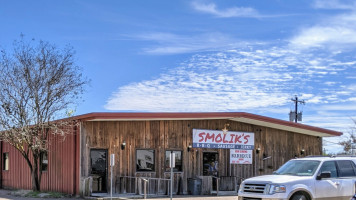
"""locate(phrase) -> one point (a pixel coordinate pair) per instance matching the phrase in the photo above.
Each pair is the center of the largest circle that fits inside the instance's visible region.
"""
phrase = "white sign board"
(216, 139)
(240, 156)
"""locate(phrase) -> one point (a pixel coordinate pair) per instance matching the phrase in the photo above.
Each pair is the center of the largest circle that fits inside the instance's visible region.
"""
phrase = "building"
(142, 143)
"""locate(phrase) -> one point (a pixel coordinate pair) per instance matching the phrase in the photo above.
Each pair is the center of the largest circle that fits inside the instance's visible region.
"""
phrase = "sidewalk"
(178, 197)
(105, 196)
(8, 195)
(186, 197)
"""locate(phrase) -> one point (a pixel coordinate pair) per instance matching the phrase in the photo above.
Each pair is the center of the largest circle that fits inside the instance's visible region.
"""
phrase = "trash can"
(194, 186)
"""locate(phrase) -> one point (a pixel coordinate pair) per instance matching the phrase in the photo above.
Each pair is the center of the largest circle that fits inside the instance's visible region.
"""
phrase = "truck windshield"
(298, 168)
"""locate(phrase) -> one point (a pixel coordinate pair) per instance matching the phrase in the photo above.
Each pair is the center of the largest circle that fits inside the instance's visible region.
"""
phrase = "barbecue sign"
(216, 139)
(238, 156)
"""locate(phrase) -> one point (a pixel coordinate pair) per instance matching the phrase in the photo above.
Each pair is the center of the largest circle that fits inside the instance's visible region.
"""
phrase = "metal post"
(145, 189)
(172, 163)
(111, 168)
(112, 164)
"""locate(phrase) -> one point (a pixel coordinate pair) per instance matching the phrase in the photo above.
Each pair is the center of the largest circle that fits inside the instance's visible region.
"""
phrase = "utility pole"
(295, 113)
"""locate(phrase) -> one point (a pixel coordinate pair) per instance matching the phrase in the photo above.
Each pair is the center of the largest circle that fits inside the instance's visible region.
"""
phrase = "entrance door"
(98, 159)
(210, 163)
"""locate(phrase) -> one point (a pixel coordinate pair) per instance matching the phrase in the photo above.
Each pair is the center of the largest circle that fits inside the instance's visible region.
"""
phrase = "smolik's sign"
(216, 139)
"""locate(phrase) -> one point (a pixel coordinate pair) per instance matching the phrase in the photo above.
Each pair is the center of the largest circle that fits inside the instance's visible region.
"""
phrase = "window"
(5, 161)
(299, 168)
(178, 161)
(346, 168)
(145, 160)
(44, 159)
(329, 166)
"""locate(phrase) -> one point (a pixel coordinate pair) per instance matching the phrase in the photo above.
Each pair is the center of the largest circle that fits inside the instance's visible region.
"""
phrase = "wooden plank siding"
(162, 135)
(62, 174)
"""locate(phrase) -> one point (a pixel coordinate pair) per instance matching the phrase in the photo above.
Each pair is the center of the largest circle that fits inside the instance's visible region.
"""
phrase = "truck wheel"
(299, 197)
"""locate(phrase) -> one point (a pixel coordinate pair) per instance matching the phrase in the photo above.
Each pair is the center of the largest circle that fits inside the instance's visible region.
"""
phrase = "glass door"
(210, 163)
(98, 162)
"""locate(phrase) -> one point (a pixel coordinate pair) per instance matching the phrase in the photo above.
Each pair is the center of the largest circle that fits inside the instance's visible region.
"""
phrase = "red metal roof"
(235, 116)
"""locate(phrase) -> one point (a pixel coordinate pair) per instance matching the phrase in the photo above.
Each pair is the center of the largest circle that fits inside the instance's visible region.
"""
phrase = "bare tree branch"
(38, 83)
(351, 139)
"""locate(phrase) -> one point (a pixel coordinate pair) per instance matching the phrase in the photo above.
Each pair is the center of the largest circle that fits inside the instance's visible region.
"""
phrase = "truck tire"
(299, 197)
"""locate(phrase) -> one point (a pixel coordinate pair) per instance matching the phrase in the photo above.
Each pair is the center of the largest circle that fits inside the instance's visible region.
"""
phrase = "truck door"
(329, 188)
(347, 173)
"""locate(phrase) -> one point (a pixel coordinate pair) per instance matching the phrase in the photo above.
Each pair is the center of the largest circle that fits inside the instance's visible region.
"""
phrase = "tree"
(39, 83)
(349, 140)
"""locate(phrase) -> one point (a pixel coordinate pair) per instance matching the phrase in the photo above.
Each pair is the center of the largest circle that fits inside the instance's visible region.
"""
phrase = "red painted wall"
(63, 166)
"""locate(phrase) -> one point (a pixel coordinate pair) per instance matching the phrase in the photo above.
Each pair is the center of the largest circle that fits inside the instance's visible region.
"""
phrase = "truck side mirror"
(324, 174)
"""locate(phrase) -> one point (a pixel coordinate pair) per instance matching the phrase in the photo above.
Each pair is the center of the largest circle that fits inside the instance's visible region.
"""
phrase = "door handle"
(337, 183)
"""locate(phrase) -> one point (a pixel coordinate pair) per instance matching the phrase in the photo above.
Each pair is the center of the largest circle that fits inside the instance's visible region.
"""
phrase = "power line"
(332, 142)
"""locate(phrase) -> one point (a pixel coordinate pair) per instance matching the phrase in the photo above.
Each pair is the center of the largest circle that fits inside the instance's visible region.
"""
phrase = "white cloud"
(334, 4)
(211, 8)
(320, 35)
(337, 32)
(236, 80)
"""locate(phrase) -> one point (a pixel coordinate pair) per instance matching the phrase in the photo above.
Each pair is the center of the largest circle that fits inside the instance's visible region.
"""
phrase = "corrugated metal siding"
(18, 175)
(63, 166)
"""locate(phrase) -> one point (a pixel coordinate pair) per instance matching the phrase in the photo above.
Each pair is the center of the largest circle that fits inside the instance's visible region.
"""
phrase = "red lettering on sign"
(211, 137)
(218, 138)
(201, 135)
(246, 139)
(237, 139)
(232, 138)
(225, 141)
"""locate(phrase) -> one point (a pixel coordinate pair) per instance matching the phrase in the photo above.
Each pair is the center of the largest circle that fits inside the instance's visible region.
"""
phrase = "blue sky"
(200, 56)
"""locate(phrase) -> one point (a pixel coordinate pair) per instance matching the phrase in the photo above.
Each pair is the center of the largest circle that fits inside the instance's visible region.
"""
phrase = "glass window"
(5, 162)
(345, 168)
(329, 166)
(178, 161)
(298, 168)
(44, 159)
(145, 160)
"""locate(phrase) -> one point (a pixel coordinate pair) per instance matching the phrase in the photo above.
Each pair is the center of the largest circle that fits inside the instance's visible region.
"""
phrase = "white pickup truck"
(311, 178)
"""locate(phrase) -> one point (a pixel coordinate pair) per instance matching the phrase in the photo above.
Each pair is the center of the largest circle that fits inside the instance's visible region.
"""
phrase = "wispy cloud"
(335, 4)
(168, 43)
(211, 8)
